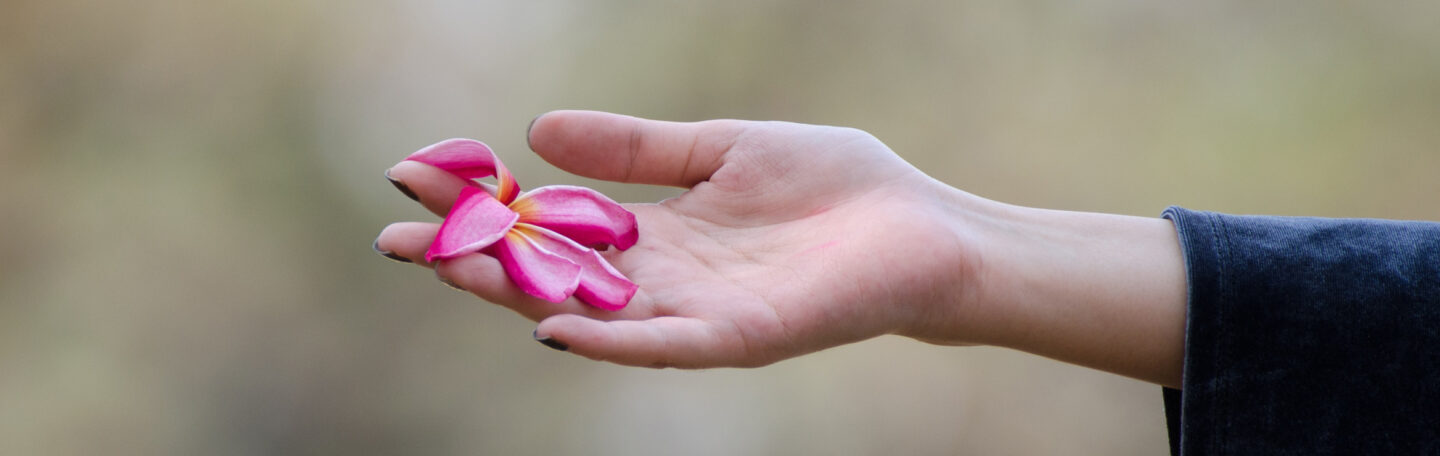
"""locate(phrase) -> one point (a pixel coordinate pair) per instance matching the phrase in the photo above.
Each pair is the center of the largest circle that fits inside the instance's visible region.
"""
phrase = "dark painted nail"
(387, 253)
(527, 132)
(401, 186)
(548, 342)
(449, 283)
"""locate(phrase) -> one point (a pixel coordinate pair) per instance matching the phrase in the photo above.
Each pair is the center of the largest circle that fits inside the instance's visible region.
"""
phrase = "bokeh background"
(191, 188)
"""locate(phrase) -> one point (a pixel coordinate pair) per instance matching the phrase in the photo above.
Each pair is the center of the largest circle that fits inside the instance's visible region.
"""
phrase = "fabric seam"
(1217, 404)
(1226, 294)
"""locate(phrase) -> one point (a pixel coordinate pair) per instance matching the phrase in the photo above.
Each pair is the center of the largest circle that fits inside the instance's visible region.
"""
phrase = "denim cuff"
(1308, 336)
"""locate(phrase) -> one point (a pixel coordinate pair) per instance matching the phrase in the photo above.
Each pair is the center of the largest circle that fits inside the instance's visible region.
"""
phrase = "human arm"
(794, 238)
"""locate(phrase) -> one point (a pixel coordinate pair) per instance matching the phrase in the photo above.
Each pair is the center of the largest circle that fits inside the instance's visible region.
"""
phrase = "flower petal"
(536, 270)
(475, 221)
(600, 284)
(579, 213)
(469, 159)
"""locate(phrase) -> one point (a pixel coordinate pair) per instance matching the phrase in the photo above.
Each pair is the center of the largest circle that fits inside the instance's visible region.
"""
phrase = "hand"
(795, 238)
(792, 238)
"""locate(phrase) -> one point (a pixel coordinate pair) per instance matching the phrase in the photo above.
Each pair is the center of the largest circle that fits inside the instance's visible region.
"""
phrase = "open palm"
(792, 238)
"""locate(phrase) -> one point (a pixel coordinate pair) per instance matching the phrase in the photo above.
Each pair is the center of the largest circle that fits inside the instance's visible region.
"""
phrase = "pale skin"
(795, 238)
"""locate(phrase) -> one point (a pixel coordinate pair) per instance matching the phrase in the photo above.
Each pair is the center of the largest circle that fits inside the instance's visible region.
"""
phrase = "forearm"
(1098, 290)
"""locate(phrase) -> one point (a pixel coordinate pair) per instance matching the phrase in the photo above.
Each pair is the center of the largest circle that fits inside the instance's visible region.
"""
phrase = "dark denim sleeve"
(1308, 336)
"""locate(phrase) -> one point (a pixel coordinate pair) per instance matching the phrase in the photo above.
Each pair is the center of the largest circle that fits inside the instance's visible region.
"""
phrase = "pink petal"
(579, 213)
(600, 284)
(469, 159)
(535, 269)
(475, 221)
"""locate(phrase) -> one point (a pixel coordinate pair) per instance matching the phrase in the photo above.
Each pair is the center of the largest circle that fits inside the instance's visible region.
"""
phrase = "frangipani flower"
(545, 238)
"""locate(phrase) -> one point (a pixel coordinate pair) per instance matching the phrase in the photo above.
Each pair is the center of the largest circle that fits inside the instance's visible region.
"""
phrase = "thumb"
(630, 149)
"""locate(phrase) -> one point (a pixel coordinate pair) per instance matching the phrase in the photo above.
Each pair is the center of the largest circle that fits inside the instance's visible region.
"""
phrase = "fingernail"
(401, 186)
(527, 132)
(548, 342)
(449, 283)
(387, 253)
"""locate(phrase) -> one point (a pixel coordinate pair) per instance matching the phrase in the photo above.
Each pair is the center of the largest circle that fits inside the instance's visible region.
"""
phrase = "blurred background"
(191, 190)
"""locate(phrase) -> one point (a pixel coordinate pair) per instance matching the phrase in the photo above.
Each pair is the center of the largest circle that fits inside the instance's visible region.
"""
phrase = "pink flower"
(545, 238)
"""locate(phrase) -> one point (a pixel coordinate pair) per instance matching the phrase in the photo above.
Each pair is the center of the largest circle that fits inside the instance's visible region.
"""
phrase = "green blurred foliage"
(191, 189)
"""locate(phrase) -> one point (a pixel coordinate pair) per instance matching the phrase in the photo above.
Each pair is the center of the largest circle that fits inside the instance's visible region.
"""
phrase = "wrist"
(1099, 290)
(960, 311)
